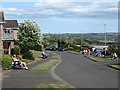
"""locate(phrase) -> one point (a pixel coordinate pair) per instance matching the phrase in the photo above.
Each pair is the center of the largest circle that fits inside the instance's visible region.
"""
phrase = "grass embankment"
(96, 59)
(49, 64)
(115, 66)
(37, 54)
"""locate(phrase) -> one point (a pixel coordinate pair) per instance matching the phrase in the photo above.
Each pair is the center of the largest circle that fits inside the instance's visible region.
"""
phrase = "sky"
(65, 16)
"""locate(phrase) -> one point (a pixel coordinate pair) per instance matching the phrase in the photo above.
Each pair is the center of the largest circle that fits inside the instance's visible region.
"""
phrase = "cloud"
(10, 9)
(78, 10)
(62, 9)
(59, 0)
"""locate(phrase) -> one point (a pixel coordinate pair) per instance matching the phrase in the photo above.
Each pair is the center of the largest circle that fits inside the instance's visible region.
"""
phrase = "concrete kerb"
(113, 67)
(108, 65)
(56, 77)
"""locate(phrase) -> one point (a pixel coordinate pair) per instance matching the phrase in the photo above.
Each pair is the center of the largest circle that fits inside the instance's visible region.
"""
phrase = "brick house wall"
(1, 37)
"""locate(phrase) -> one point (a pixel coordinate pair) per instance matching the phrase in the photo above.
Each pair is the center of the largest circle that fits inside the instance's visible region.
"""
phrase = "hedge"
(16, 50)
(6, 61)
(70, 48)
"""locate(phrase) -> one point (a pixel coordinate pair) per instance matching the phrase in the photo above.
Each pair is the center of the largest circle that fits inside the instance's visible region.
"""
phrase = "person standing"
(114, 56)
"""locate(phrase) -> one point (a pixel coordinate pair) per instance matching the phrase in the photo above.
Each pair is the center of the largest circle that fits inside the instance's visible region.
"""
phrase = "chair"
(16, 65)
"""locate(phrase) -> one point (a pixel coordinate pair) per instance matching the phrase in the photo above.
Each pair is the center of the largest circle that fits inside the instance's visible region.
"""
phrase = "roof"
(10, 24)
(2, 19)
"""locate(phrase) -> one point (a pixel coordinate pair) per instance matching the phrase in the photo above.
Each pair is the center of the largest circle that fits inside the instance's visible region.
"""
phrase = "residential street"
(81, 72)
(76, 70)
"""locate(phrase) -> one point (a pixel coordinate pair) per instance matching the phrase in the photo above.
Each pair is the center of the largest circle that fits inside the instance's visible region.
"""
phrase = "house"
(9, 30)
(2, 21)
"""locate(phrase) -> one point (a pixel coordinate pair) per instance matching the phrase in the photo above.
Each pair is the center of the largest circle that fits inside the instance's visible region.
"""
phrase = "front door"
(6, 47)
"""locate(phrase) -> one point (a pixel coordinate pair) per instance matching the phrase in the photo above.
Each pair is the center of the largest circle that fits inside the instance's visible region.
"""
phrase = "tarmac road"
(81, 72)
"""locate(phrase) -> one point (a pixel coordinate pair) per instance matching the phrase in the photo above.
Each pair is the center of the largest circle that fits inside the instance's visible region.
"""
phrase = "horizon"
(83, 33)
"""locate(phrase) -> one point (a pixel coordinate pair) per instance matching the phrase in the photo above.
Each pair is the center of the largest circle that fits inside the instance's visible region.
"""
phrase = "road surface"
(81, 72)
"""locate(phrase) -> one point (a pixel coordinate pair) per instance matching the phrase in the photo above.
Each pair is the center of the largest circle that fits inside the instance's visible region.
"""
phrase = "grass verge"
(37, 54)
(49, 64)
(53, 86)
(96, 59)
(115, 66)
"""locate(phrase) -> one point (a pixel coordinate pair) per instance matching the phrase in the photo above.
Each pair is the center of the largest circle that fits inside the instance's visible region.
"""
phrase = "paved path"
(81, 72)
(27, 78)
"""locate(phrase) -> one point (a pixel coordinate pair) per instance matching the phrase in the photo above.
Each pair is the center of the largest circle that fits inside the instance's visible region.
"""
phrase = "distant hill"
(89, 37)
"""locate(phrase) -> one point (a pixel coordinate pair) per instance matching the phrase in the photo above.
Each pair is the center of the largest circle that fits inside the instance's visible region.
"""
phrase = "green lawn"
(37, 54)
(116, 66)
(108, 41)
(96, 59)
(49, 64)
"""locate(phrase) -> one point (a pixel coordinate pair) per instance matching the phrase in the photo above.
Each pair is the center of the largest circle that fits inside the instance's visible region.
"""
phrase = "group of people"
(98, 52)
(86, 51)
(22, 63)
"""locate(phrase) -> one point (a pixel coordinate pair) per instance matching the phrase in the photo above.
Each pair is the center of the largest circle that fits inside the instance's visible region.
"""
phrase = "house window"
(5, 31)
(8, 31)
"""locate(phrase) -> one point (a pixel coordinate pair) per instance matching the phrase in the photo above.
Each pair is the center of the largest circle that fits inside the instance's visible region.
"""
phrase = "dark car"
(48, 48)
(61, 49)
(98, 51)
(54, 48)
(51, 48)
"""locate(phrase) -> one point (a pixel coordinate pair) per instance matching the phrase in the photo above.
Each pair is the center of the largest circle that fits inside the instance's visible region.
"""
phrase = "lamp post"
(105, 33)
(60, 40)
(105, 37)
(81, 38)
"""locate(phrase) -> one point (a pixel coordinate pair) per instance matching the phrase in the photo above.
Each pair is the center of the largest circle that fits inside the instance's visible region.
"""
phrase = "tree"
(29, 35)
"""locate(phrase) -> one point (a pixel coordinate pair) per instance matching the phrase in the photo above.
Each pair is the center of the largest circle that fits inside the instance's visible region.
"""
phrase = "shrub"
(16, 50)
(6, 62)
(42, 47)
(16, 42)
(70, 48)
(0, 60)
(76, 48)
(38, 48)
(28, 55)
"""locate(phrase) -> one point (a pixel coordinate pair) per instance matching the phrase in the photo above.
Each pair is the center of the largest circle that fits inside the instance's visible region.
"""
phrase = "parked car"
(61, 49)
(99, 51)
(51, 48)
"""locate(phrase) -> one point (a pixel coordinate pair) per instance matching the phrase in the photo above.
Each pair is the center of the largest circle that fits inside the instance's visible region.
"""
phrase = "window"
(8, 31)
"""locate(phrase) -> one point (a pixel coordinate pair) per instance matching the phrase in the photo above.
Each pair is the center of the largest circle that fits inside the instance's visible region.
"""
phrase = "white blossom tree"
(29, 35)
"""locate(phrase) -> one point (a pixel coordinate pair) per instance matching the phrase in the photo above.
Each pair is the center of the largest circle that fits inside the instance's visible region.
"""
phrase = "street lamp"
(105, 37)
(81, 38)
(105, 33)
(60, 40)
